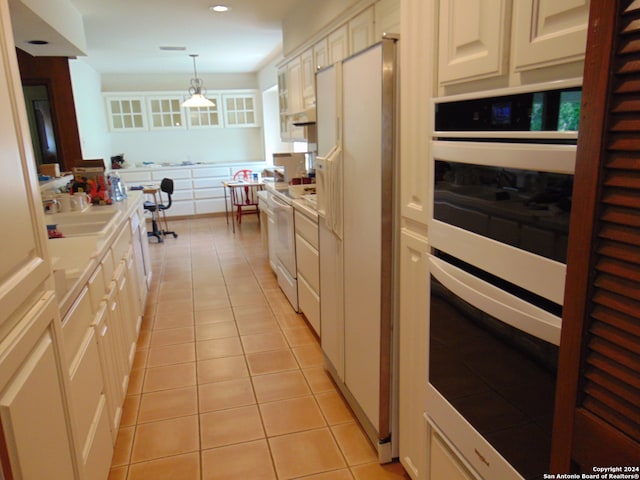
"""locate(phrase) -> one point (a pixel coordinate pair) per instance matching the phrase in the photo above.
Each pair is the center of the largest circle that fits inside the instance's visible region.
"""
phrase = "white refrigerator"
(356, 185)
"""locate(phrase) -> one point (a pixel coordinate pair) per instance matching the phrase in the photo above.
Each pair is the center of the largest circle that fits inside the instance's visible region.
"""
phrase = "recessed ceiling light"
(220, 8)
(169, 48)
(38, 42)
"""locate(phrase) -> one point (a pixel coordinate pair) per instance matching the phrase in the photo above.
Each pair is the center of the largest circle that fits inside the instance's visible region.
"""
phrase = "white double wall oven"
(502, 166)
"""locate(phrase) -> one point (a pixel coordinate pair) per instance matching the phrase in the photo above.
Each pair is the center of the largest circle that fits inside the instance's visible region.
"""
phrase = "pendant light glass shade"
(197, 91)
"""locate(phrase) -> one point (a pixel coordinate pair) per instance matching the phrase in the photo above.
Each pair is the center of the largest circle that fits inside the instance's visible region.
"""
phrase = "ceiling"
(125, 36)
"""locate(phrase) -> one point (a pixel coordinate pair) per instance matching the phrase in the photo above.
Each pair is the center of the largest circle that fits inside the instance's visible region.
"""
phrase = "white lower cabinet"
(141, 258)
(308, 268)
(198, 189)
(272, 238)
(413, 314)
(309, 303)
(88, 395)
(33, 408)
(110, 373)
(120, 344)
(99, 336)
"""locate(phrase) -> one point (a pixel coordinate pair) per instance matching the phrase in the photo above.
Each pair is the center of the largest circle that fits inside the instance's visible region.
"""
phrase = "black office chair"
(166, 186)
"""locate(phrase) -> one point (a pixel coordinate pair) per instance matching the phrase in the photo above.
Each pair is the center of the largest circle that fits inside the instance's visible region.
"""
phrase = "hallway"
(228, 381)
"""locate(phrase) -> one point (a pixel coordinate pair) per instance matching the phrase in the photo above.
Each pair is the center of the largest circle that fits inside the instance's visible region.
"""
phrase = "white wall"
(268, 74)
(306, 19)
(195, 145)
(92, 121)
(123, 82)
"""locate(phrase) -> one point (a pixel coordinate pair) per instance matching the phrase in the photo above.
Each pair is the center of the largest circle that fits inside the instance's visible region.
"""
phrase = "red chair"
(242, 175)
(244, 198)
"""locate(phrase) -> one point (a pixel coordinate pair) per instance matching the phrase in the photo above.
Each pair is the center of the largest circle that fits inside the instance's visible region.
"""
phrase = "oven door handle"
(496, 302)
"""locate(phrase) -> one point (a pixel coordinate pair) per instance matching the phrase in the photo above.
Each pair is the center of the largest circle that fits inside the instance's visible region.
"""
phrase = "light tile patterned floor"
(228, 381)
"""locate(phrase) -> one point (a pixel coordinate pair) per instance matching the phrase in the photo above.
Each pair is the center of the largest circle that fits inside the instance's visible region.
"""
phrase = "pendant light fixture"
(197, 91)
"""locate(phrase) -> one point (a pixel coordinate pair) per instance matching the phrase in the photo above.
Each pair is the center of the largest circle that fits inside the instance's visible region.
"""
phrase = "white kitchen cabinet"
(413, 314)
(338, 44)
(241, 109)
(120, 351)
(206, 117)
(126, 112)
(198, 189)
(87, 384)
(308, 79)
(361, 31)
(387, 18)
(332, 298)
(272, 239)
(294, 82)
(182, 197)
(52, 396)
(415, 101)
(291, 101)
(321, 54)
(473, 39)
(548, 32)
(283, 102)
(208, 191)
(99, 452)
(309, 303)
(24, 263)
(89, 412)
(128, 292)
(127, 323)
(33, 403)
(165, 112)
(75, 323)
(141, 255)
(107, 341)
(308, 268)
(476, 38)
(136, 111)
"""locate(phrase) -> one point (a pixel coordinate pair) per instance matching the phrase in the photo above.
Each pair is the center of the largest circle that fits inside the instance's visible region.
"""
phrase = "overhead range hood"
(304, 118)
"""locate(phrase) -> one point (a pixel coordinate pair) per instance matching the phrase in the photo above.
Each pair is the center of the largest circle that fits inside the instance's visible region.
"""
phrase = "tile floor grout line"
(195, 356)
(216, 246)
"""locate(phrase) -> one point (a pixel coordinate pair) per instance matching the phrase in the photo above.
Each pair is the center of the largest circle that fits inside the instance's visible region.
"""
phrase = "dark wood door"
(597, 419)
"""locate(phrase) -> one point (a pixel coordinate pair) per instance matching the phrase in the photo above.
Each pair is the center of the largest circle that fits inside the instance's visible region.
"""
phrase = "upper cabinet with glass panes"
(240, 110)
(164, 111)
(126, 113)
(203, 117)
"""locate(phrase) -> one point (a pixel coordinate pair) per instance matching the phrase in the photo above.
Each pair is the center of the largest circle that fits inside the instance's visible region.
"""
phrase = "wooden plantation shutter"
(597, 418)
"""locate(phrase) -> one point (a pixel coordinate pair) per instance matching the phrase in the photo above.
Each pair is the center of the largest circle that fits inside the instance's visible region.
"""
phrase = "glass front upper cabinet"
(126, 113)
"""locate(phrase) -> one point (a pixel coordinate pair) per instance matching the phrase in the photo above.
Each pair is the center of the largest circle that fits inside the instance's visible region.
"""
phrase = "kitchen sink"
(74, 224)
